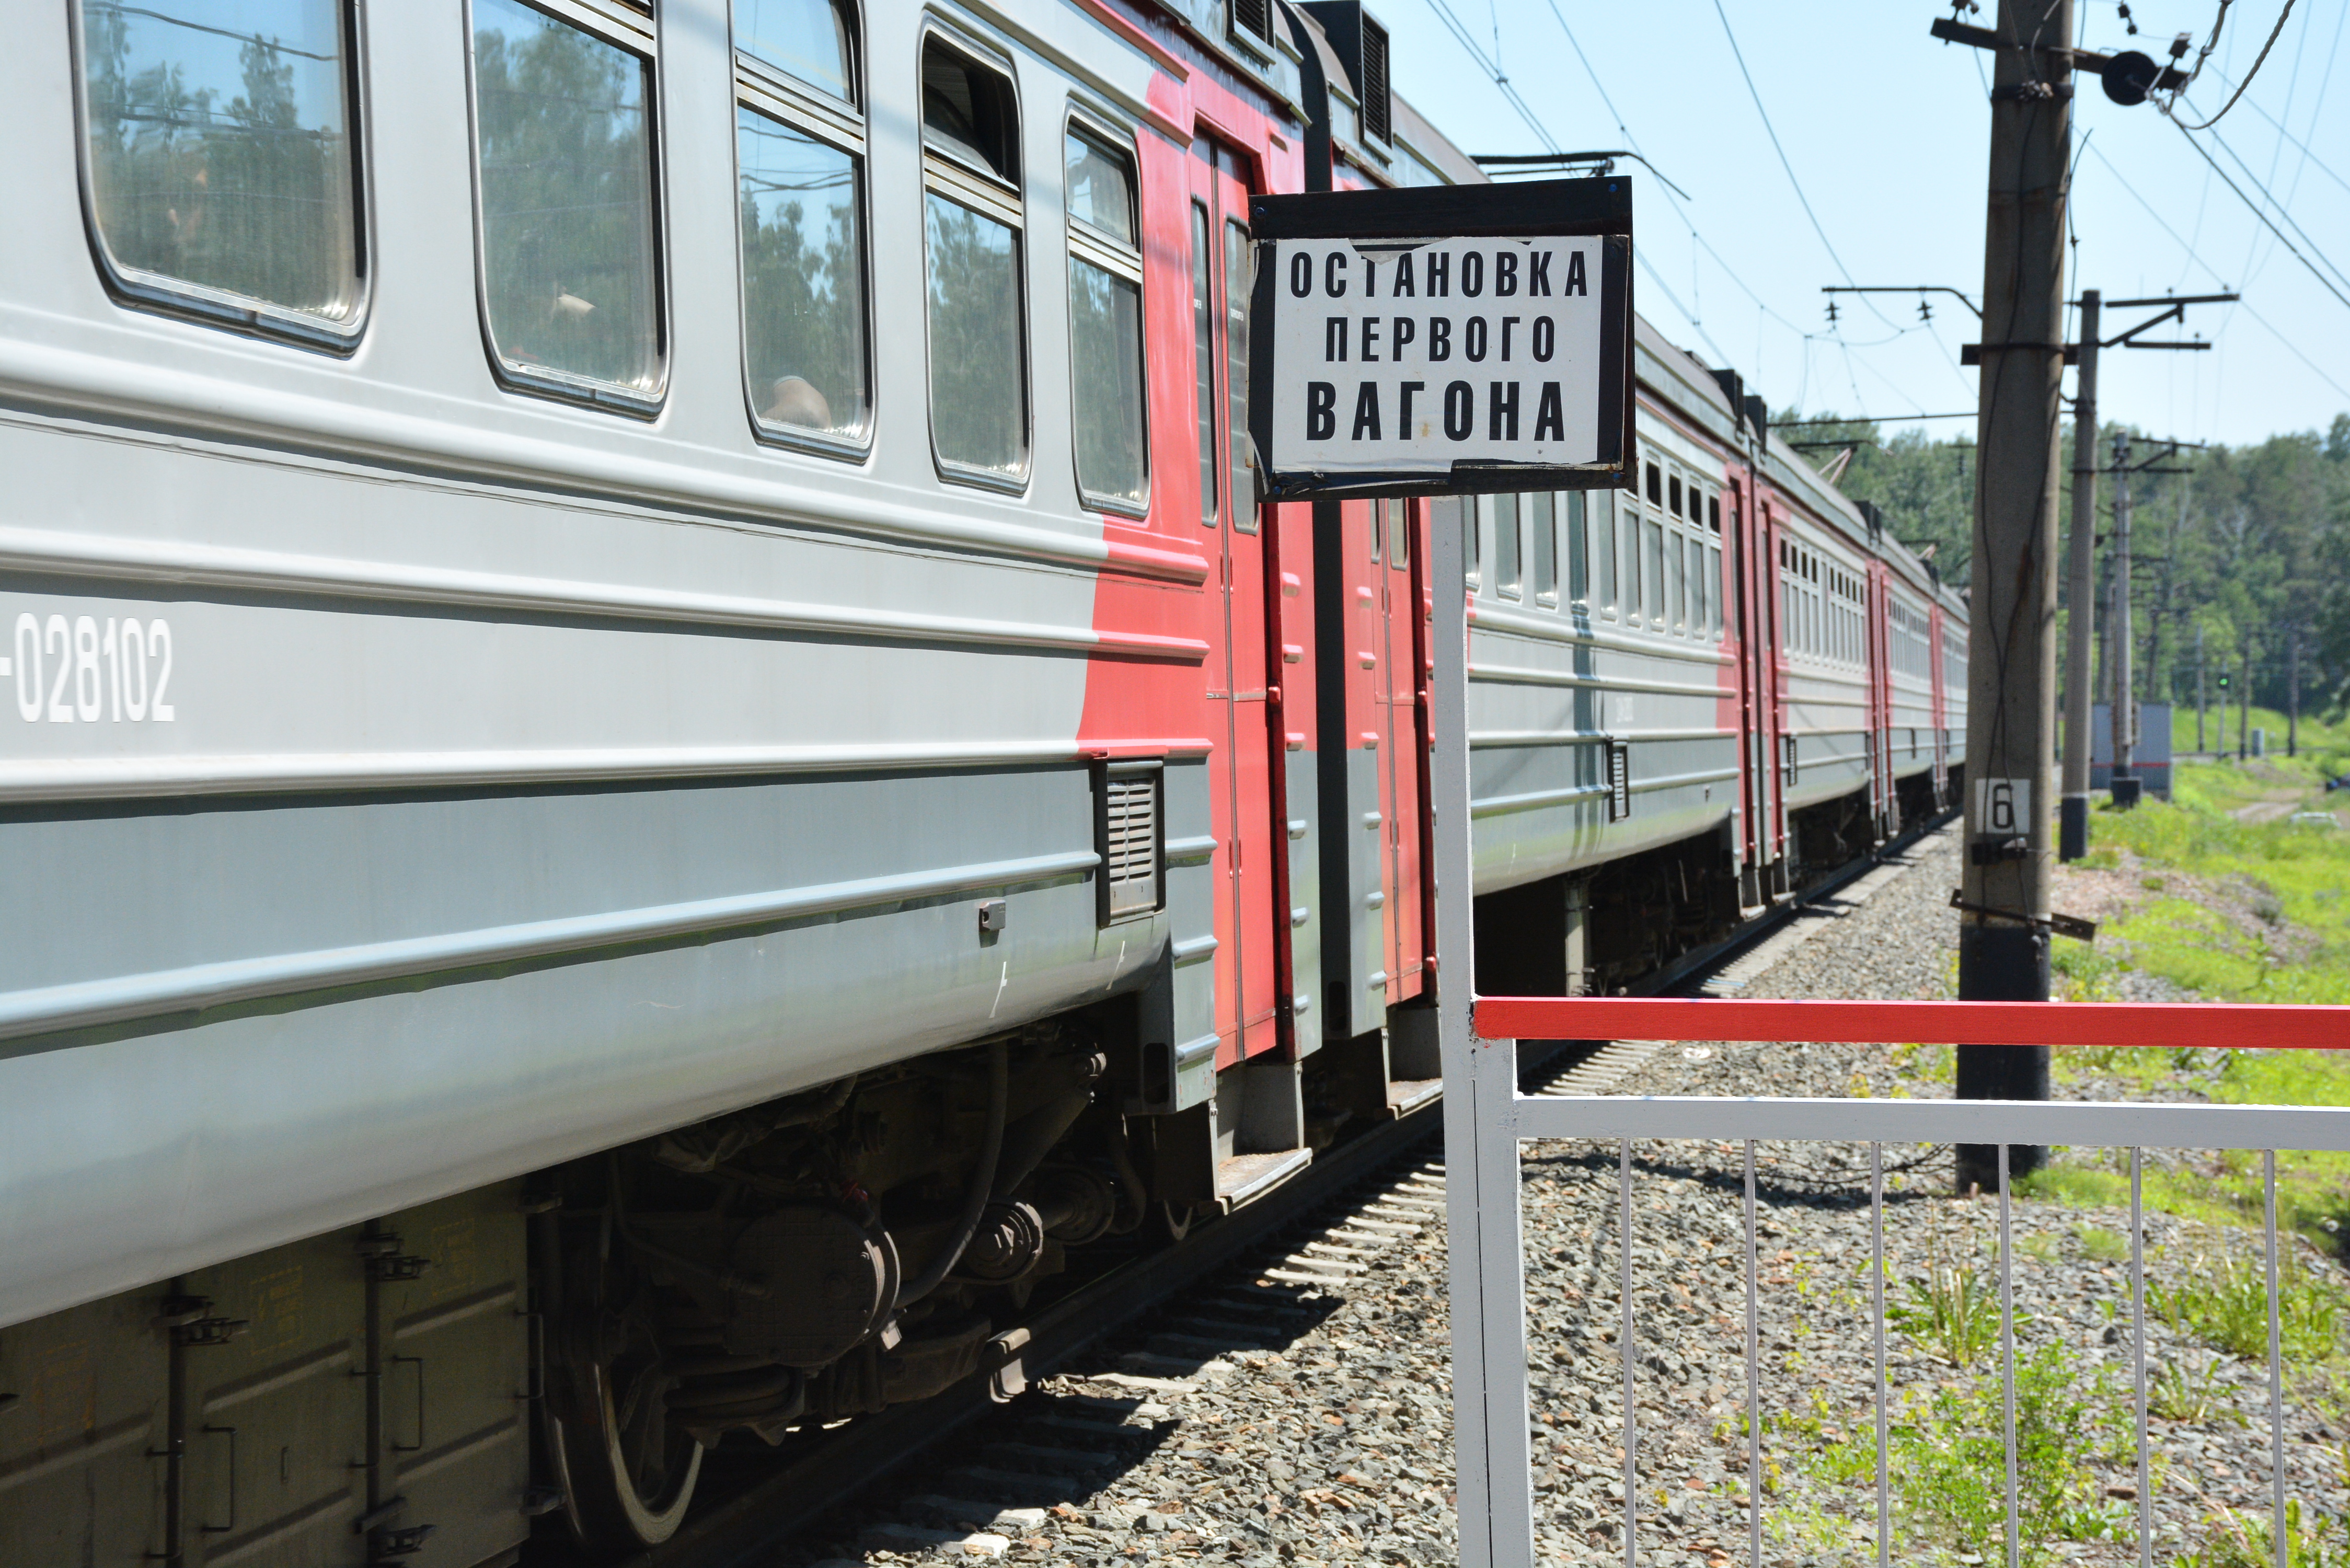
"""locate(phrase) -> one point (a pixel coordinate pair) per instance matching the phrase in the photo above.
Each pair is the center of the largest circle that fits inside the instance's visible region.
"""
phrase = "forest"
(2242, 552)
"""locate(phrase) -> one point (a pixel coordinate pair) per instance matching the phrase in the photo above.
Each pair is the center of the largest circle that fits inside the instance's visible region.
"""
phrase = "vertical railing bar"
(2007, 1357)
(1877, 1276)
(1753, 1381)
(1624, 1344)
(2138, 1356)
(2276, 1368)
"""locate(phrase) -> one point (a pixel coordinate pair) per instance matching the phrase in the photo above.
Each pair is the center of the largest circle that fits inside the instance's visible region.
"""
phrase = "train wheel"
(627, 1472)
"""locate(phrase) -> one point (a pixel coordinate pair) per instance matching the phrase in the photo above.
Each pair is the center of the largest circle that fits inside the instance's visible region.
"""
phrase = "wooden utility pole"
(2012, 665)
(2081, 616)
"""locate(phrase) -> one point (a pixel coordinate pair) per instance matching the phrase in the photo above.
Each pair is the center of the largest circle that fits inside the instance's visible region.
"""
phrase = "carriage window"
(802, 277)
(1203, 356)
(1628, 547)
(1545, 508)
(1237, 377)
(809, 40)
(1653, 577)
(1399, 536)
(1676, 583)
(221, 156)
(1578, 561)
(971, 229)
(1701, 588)
(563, 135)
(1673, 490)
(1378, 527)
(1106, 325)
(1508, 544)
(1603, 543)
(798, 157)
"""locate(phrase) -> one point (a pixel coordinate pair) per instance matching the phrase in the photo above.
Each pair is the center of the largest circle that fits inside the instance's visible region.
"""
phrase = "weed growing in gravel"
(2181, 1390)
(1952, 1460)
(1953, 1311)
(2100, 1245)
(2245, 1539)
(2085, 974)
(2225, 1301)
(1948, 1463)
(2079, 1186)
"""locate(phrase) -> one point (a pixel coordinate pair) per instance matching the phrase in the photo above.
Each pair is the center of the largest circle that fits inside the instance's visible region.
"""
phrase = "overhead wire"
(2156, 214)
(1762, 306)
(2176, 97)
(2257, 212)
(2282, 210)
(1785, 162)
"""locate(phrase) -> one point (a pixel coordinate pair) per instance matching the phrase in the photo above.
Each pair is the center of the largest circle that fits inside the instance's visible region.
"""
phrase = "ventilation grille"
(1130, 844)
(1375, 82)
(1254, 18)
(1619, 781)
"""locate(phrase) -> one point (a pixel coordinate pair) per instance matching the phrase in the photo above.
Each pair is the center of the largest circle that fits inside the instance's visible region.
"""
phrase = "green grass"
(2294, 879)
(2240, 912)
(1947, 1459)
(2225, 1299)
(2243, 1539)
(2316, 734)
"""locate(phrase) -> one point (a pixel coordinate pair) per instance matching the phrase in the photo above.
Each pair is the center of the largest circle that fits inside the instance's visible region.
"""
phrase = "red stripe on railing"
(2166, 1025)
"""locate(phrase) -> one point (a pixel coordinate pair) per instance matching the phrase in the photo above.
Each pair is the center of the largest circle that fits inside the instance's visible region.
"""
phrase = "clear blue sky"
(1889, 133)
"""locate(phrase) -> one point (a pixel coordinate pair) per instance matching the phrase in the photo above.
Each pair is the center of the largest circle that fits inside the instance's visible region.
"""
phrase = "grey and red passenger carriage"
(661, 763)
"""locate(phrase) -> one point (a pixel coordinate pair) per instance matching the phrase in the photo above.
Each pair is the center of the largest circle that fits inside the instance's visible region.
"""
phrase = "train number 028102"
(83, 671)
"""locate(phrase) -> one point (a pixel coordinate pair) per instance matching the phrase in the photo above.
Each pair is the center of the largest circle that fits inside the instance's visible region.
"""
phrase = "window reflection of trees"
(978, 389)
(216, 180)
(802, 277)
(567, 197)
(1105, 346)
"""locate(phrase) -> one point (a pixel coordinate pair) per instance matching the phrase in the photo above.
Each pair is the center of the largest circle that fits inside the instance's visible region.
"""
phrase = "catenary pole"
(2080, 623)
(2244, 698)
(2292, 690)
(2012, 667)
(2125, 710)
(2198, 686)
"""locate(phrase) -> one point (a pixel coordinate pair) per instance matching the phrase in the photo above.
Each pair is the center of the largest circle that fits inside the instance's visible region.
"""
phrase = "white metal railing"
(1492, 1391)
(1486, 1119)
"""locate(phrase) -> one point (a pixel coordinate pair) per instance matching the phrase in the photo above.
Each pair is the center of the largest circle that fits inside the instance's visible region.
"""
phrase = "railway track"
(1377, 1190)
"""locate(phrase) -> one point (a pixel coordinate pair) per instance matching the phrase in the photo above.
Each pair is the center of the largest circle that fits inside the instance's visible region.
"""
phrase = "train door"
(1241, 783)
(1940, 715)
(1397, 658)
(1749, 539)
(1775, 768)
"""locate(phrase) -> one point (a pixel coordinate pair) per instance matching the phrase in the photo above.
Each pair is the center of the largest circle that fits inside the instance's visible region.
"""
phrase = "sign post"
(1453, 341)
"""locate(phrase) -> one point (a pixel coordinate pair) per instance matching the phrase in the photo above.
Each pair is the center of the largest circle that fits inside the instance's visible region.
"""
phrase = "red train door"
(1398, 657)
(1241, 782)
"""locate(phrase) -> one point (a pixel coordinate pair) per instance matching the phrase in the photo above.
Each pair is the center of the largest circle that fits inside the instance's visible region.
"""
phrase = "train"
(754, 781)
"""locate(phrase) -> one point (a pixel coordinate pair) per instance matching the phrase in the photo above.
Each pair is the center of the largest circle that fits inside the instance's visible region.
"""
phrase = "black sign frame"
(1598, 206)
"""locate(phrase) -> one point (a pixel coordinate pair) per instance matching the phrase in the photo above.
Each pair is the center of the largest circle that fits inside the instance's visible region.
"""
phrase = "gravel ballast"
(1299, 1411)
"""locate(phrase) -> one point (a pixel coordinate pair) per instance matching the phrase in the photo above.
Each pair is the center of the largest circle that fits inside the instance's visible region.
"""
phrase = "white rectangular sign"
(2004, 806)
(1408, 356)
